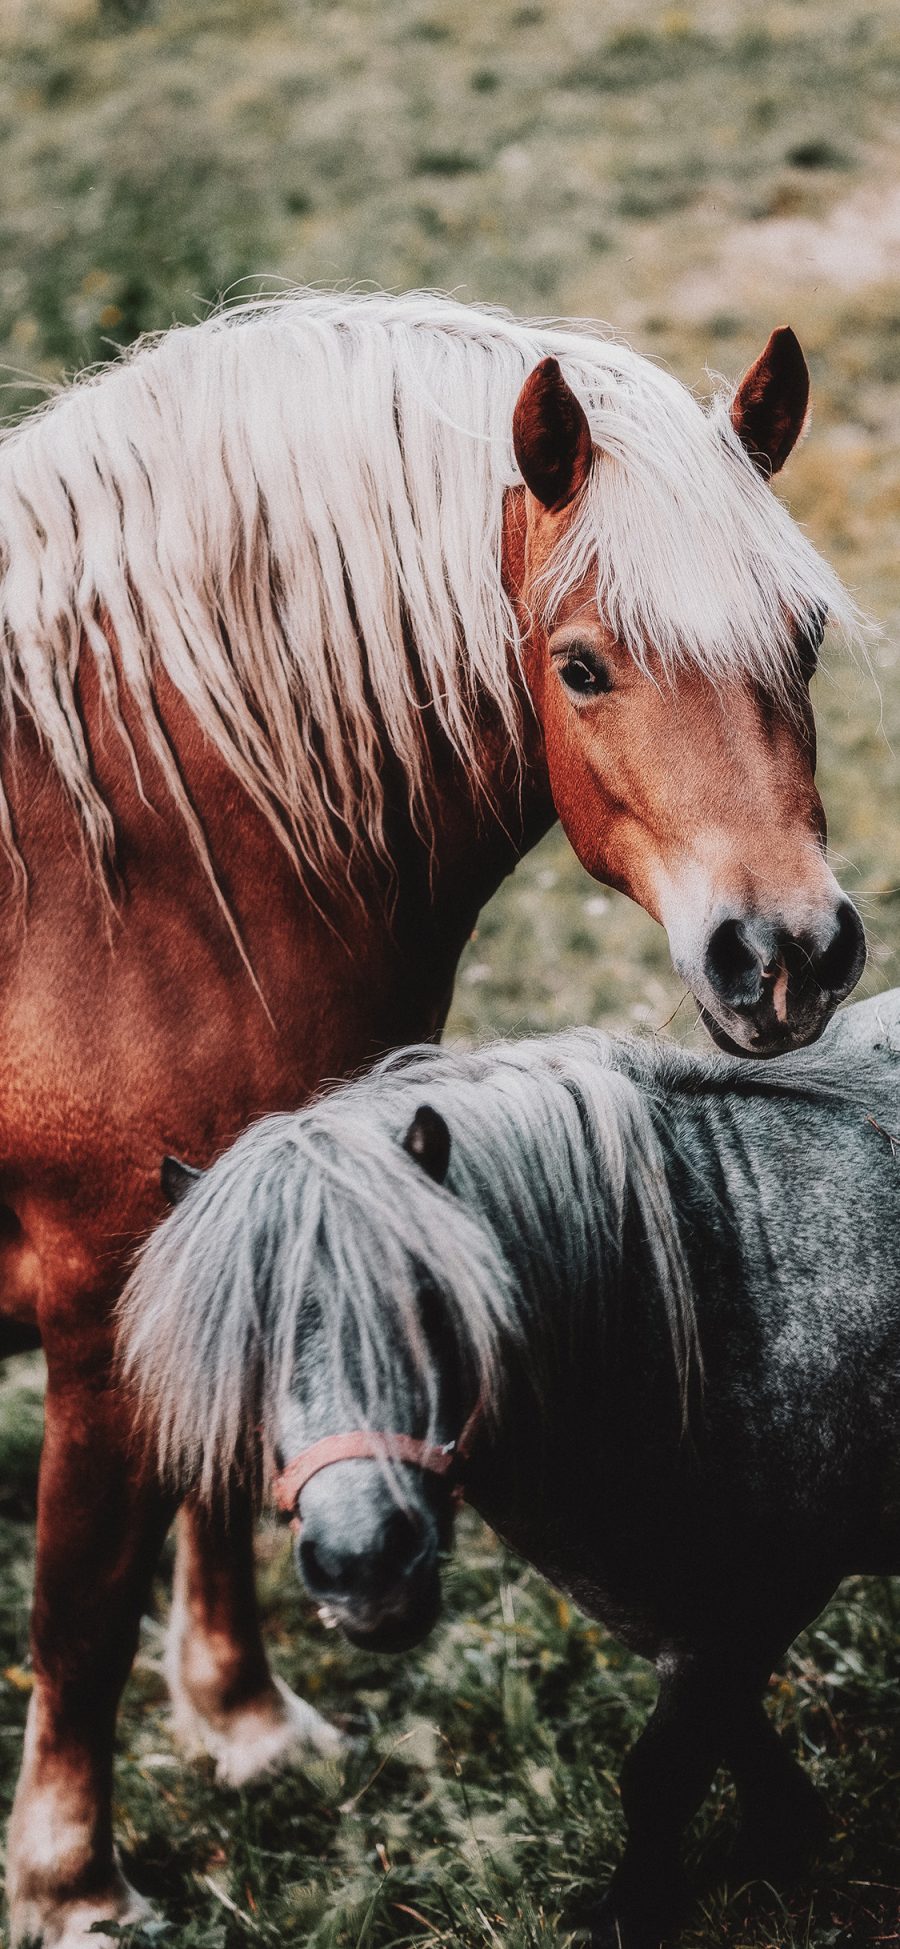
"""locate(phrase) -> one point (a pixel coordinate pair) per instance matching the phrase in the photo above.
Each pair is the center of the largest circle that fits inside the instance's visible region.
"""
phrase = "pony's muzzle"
(334, 1573)
(374, 1568)
(772, 988)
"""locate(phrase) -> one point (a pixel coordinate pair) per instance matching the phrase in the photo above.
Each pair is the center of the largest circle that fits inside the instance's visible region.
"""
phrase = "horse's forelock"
(694, 560)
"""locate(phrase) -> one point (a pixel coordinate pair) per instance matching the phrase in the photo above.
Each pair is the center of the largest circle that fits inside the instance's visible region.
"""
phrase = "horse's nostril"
(838, 966)
(746, 957)
(735, 961)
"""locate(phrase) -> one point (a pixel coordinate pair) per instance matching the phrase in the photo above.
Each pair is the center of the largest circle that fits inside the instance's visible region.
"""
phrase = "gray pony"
(668, 1287)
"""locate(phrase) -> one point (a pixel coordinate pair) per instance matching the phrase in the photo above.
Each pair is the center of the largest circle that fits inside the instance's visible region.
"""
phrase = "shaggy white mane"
(322, 1213)
(271, 505)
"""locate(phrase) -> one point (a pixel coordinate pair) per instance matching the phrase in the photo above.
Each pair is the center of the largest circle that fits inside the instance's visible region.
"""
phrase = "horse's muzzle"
(769, 989)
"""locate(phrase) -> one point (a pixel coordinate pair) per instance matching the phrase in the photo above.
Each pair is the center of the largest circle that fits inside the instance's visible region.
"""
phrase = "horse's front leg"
(101, 1523)
(665, 1777)
(225, 1700)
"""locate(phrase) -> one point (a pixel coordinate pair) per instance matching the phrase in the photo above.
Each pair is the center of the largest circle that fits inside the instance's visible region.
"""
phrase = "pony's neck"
(597, 1359)
(569, 1428)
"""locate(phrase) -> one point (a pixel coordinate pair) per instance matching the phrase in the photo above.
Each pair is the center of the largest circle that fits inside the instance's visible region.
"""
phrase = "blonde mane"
(274, 505)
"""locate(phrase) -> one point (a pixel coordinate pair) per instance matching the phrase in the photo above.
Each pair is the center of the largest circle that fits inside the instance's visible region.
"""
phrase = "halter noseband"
(446, 1459)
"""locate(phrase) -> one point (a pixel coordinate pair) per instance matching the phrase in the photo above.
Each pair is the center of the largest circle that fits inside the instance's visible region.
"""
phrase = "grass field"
(694, 174)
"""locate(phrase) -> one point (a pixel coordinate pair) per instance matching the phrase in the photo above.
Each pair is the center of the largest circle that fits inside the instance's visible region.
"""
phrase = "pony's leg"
(101, 1523)
(784, 1818)
(665, 1777)
(225, 1700)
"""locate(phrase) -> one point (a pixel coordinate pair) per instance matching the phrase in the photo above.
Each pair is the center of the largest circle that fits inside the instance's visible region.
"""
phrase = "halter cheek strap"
(364, 1446)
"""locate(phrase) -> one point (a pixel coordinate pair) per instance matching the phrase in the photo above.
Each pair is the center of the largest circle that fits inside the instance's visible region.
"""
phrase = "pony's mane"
(555, 1157)
(854, 1066)
(273, 505)
(554, 1152)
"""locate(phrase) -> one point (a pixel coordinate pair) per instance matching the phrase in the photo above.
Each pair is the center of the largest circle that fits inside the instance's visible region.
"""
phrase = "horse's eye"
(583, 674)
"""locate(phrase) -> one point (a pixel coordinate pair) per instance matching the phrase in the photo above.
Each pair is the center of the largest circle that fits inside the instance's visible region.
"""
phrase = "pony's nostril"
(318, 1578)
(838, 966)
(341, 1572)
(401, 1543)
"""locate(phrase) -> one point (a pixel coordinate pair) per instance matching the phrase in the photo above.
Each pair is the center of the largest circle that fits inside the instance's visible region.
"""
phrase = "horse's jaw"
(759, 1048)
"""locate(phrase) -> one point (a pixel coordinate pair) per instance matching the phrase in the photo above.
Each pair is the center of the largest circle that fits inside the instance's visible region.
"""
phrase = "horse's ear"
(551, 437)
(428, 1141)
(770, 407)
(176, 1179)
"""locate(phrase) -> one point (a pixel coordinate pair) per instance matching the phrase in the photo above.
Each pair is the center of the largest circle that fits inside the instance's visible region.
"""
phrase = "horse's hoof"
(77, 1924)
(272, 1731)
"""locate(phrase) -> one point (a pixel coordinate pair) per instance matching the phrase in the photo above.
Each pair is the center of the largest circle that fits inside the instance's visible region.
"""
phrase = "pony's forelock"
(553, 1150)
(269, 507)
(320, 1227)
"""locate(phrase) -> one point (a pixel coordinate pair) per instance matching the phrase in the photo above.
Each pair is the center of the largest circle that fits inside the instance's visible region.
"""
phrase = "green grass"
(479, 1799)
(694, 173)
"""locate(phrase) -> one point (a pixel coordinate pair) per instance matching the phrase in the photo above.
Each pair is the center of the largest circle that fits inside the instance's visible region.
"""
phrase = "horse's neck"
(518, 782)
(346, 972)
(479, 836)
(430, 887)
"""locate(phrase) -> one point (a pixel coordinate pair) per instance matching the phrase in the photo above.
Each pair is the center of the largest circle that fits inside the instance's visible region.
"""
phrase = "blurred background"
(693, 175)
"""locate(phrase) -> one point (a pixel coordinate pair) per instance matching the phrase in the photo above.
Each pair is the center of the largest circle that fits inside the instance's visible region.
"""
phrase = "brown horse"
(297, 664)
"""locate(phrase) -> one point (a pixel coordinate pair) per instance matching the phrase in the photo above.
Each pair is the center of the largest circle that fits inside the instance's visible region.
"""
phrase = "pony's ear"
(176, 1178)
(551, 437)
(769, 409)
(428, 1141)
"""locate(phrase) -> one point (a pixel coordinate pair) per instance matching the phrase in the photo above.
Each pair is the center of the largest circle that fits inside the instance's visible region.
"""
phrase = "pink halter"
(365, 1446)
